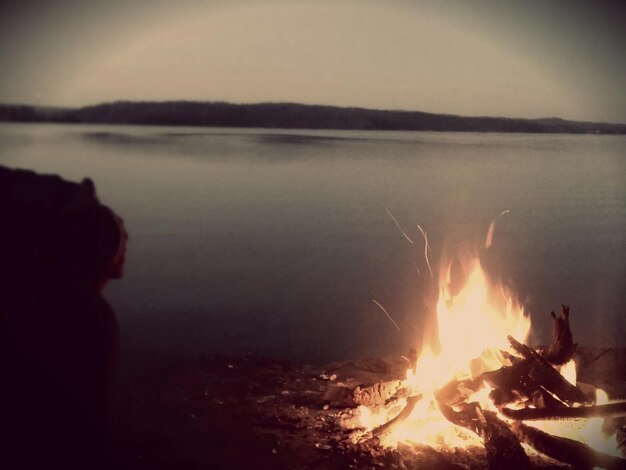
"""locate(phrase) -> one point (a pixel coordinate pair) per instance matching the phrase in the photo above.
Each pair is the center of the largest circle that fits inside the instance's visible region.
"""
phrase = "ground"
(242, 411)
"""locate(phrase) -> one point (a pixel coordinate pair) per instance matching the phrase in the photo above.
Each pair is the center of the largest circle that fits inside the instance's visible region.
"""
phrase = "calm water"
(276, 241)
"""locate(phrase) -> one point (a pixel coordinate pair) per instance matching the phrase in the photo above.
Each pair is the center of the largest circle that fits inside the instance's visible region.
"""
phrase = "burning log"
(530, 378)
(563, 347)
(367, 382)
(545, 375)
(565, 450)
(350, 395)
(509, 382)
(399, 419)
(514, 384)
(612, 410)
(504, 450)
(456, 392)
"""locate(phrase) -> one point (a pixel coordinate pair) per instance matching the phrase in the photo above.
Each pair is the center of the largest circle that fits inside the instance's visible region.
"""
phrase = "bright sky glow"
(480, 58)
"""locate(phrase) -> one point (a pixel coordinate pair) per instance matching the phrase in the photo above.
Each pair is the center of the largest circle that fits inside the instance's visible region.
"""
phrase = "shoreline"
(242, 410)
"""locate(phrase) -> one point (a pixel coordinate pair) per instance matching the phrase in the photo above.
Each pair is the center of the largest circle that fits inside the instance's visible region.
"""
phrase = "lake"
(276, 242)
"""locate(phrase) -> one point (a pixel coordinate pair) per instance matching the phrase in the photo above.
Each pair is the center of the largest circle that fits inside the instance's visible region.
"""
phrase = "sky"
(513, 58)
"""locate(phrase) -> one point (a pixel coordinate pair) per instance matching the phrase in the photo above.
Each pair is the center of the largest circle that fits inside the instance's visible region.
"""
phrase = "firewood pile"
(531, 388)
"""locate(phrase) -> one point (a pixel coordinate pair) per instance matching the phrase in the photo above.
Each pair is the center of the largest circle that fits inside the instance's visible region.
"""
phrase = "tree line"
(291, 116)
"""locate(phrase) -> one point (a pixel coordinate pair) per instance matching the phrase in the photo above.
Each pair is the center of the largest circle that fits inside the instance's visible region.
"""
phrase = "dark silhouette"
(292, 116)
(58, 336)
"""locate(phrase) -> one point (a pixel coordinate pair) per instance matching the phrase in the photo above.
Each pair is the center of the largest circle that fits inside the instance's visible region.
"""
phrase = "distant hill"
(291, 116)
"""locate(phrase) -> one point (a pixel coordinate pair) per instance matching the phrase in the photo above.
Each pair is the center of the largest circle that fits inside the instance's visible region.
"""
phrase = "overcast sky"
(526, 58)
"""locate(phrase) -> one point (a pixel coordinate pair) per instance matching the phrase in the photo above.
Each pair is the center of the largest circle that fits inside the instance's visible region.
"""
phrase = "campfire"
(475, 396)
(478, 384)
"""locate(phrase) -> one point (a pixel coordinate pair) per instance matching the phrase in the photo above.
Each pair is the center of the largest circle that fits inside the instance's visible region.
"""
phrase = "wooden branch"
(612, 410)
(456, 392)
(501, 397)
(524, 350)
(544, 374)
(565, 450)
(509, 382)
(563, 347)
(399, 419)
(465, 418)
(514, 384)
(503, 448)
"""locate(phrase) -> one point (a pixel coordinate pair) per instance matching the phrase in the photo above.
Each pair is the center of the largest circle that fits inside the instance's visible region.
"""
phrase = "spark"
(492, 226)
(386, 313)
(398, 225)
(426, 249)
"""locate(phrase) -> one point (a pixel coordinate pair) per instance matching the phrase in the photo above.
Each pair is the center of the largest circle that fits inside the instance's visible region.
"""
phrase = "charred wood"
(611, 410)
(525, 351)
(513, 377)
(351, 395)
(547, 376)
(543, 399)
(511, 383)
(514, 384)
(456, 392)
(503, 397)
(565, 450)
(504, 450)
(465, 417)
(563, 347)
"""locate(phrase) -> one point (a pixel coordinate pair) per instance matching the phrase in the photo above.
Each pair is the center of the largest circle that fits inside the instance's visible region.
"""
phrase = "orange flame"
(472, 327)
(474, 323)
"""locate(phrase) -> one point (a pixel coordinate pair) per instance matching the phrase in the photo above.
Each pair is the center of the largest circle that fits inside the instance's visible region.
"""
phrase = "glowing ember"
(585, 430)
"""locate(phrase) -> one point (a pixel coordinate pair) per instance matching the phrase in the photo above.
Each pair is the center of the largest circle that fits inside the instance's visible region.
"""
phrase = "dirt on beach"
(244, 411)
